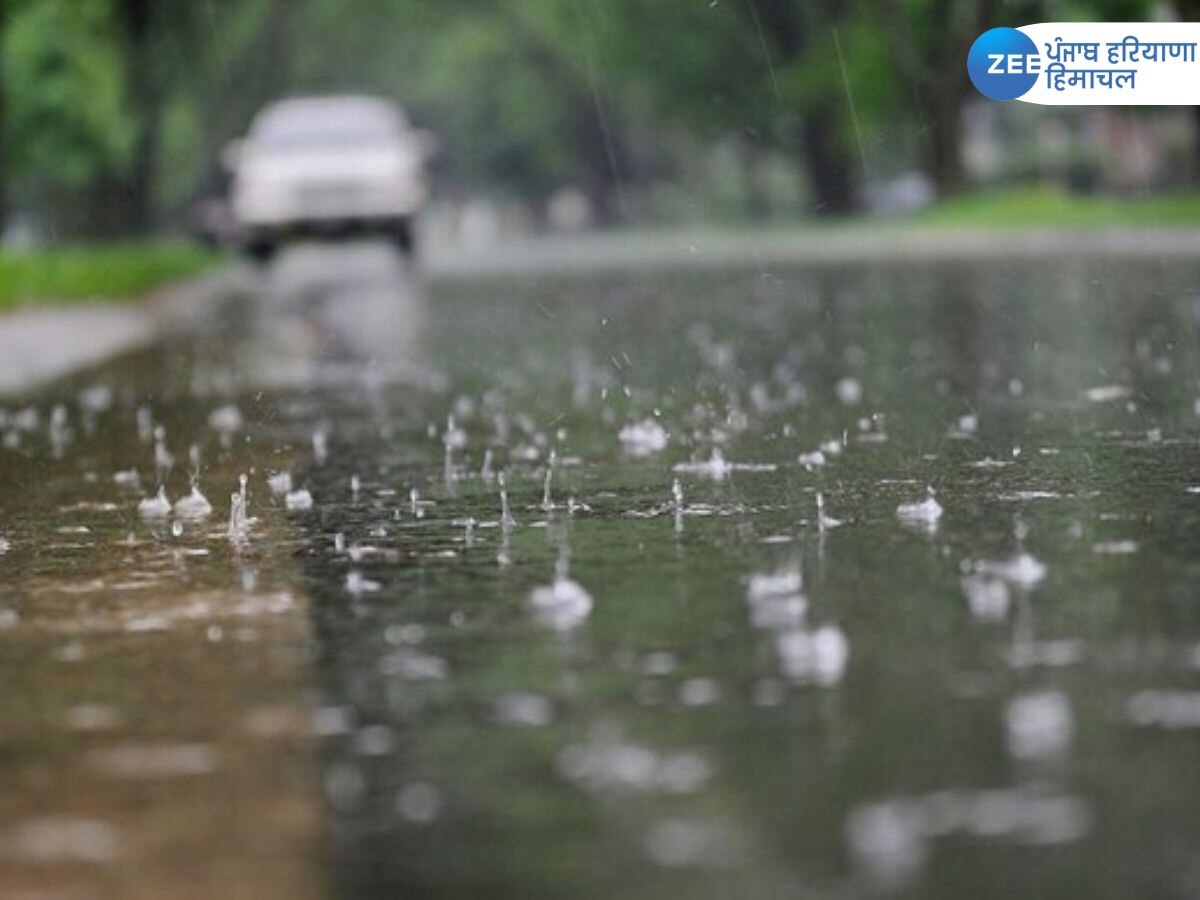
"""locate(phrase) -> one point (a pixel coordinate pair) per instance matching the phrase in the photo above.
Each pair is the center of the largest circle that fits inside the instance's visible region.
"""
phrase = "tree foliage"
(127, 103)
(62, 80)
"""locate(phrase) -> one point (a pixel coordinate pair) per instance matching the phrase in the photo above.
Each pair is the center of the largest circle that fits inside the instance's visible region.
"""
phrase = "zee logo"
(1003, 63)
(1013, 64)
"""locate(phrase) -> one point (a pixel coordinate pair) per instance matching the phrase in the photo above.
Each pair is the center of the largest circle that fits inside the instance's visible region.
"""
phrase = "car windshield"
(325, 125)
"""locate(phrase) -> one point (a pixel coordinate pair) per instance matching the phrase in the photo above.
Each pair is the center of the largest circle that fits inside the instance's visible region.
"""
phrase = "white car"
(326, 167)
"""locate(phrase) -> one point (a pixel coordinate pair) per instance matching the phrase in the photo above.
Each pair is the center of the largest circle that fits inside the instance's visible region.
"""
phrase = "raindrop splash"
(156, 507)
(506, 517)
(923, 514)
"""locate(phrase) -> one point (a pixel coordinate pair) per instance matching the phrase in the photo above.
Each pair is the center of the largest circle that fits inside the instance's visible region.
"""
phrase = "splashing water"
(987, 597)
(645, 438)
(163, 460)
(238, 525)
(824, 522)
(298, 500)
(127, 478)
(609, 762)
(715, 467)
(547, 500)
(239, 512)
(1023, 570)
(811, 460)
(718, 468)
(226, 421)
(59, 432)
(358, 584)
(563, 604)
(145, 424)
(1039, 725)
(818, 656)
(156, 507)
(280, 483)
(925, 513)
(782, 583)
(520, 709)
(453, 437)
(890, 839)
(775, 600)
(193, 506)
(849, 391)
(506, 517)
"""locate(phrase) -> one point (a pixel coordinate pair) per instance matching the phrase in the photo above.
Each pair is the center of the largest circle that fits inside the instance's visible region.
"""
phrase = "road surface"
(765, 578)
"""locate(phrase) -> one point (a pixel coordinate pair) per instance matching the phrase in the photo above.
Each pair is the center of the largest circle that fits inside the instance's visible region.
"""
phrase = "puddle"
(707, 585)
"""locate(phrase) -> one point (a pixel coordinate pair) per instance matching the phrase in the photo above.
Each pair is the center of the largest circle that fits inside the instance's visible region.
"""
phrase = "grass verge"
(71, 274)
(1047, 206)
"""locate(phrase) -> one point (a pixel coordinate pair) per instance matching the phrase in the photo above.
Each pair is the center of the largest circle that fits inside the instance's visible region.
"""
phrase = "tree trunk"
(827, 164)
(599, 142)
(757, 195)
(826, 161)
(1196, 144)
(3, 127)
(945, 145)
(1189, 11)
(601, 152)
(134, 17)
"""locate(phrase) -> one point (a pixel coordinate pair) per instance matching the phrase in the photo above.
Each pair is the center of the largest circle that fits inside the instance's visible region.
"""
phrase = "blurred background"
(556, 115)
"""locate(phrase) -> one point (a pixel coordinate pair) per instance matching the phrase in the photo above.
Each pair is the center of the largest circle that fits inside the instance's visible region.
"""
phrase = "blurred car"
(327, 167)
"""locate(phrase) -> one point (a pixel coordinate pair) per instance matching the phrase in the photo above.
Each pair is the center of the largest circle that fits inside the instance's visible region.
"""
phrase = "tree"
(238, 56)
(135, 18)
(517, 88)
(770, 71)
(559, 43)
(929, 46)
(169, 51)
(4, 11)
(1189, 11)
(787, 31)
(66, 127)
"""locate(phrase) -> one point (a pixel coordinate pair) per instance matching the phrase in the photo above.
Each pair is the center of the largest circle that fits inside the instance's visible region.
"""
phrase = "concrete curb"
(41, 344)
(835, 245)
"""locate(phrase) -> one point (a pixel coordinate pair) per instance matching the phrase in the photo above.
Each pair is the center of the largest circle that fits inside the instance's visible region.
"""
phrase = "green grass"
(71, 274)
(1045, 206)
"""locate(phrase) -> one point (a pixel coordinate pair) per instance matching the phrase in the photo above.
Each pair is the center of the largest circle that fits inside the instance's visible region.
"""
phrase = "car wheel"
(261, 250)
(405, 237)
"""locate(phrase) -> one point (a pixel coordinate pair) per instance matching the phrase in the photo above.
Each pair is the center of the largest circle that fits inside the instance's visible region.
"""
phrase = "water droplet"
(157, 507)
(298, 500)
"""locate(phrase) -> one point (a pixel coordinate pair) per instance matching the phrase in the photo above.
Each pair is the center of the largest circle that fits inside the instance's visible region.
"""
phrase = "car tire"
(261, 250)
(404, 236)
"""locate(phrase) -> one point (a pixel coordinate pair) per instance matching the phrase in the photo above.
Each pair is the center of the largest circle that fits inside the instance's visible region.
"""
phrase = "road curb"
(835, 245)
(41, 344)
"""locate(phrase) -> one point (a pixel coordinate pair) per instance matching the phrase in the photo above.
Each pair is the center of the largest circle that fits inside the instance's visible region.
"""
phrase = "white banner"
(1115, 64)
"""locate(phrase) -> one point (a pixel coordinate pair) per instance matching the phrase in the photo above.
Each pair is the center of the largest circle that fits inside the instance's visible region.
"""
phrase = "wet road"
(806, 581)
